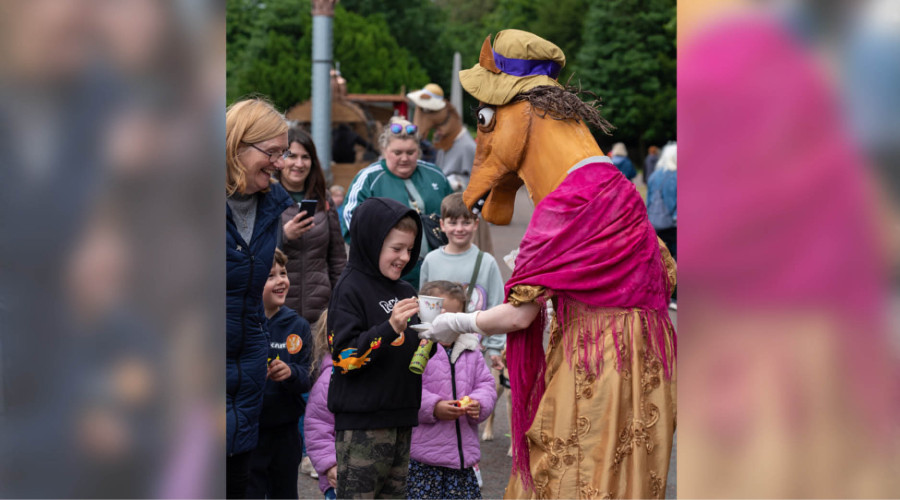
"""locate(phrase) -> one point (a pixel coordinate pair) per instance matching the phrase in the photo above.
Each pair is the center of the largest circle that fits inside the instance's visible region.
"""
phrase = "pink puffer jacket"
(434, 442)
(318, 427)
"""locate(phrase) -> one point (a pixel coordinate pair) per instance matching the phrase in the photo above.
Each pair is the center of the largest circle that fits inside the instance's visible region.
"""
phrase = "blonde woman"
(256, 145)
(401, 176)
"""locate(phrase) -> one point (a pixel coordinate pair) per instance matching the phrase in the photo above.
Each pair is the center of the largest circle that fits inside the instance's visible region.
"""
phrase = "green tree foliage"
(371, 59)
(512, 14)
(628, 58)
(240, 16)
(276, 54)
(270, 52)
(464, 30)
(624, 50)
(417, 26)
(561, 22)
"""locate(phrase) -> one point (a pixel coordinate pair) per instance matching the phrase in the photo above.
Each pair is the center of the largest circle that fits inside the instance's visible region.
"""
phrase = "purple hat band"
(526, 67)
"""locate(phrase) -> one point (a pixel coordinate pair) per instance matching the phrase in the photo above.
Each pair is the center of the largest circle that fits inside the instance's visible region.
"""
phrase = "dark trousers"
(274, 463)
(237, 468)
(670, 238)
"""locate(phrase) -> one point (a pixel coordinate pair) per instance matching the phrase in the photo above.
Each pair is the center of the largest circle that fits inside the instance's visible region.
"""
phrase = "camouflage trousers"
(373, 463)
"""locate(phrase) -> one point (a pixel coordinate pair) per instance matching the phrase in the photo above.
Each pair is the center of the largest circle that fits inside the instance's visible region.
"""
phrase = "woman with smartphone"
(311, 235)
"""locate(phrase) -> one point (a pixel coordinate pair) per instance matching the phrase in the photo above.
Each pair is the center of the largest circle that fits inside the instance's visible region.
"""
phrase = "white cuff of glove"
(467, 323)
(447, 326)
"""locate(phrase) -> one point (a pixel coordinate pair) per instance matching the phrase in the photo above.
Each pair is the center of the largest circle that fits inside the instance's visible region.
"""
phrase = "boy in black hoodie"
(374, 396)
(274, 462)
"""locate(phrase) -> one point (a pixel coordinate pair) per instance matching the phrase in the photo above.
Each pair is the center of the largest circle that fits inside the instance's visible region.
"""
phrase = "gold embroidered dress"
(594, 415)
(607, 435)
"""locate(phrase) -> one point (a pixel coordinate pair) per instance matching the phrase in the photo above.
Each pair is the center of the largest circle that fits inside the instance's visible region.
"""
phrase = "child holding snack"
(457, 394)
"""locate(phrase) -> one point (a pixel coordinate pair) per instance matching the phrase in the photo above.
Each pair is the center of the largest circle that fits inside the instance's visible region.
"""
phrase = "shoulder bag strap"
(412, 200)
(471, 287)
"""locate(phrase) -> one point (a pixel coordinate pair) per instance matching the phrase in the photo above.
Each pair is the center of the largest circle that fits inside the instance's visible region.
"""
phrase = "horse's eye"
(485, 116)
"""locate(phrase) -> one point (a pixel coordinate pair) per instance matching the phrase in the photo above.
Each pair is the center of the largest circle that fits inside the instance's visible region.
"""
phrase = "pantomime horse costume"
(594, 416)
(455, 147)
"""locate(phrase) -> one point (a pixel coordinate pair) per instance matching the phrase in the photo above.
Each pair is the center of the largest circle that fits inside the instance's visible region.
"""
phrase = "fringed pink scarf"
(590, 243)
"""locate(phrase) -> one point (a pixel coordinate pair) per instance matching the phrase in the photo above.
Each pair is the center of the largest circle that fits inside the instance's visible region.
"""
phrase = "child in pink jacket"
(445, 443)
(319, 424)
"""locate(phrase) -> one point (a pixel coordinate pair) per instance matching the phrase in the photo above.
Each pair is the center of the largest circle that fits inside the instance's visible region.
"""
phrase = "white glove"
(447, 326)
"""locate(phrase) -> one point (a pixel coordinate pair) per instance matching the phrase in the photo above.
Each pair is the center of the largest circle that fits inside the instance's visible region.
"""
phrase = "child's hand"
(403, 310)
(447, 410)
(473, 409)
(295, 227)
(332, 476)
(278, 371)
(497, 363)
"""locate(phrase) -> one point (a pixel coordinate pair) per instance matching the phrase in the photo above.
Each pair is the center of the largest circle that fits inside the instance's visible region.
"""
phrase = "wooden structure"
(365, 114)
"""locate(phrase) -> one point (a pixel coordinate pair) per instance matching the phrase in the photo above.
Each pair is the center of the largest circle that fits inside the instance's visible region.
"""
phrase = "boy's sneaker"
(307, 468)
(673, 305)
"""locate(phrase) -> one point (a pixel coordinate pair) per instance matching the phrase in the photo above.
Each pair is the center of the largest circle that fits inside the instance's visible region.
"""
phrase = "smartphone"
(309, 206)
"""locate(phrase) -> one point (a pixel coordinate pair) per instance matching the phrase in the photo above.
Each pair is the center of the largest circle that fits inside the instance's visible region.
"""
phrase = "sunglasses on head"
(398, 128)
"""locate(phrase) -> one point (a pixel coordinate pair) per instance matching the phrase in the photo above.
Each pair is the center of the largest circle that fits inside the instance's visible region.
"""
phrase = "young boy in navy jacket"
(374, 396)
(274, 462)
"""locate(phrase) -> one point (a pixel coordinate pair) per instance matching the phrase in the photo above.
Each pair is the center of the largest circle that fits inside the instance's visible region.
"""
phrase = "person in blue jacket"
(276, 459)
(256, 143)
(662, 203)
(619, 155)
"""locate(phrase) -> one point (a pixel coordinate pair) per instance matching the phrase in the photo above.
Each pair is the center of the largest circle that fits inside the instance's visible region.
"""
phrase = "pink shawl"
(589, 243)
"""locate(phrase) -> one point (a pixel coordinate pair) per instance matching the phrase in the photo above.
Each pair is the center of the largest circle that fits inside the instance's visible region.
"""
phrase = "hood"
(465, 342)
(370, 225)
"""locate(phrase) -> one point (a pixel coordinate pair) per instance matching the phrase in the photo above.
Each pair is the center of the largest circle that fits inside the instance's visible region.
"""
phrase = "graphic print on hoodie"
(371, 385)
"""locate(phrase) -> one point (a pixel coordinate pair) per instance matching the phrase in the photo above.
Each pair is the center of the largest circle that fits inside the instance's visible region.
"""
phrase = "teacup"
(429, 307)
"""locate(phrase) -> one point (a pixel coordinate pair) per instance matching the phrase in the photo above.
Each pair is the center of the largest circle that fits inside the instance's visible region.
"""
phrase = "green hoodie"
(377, 180)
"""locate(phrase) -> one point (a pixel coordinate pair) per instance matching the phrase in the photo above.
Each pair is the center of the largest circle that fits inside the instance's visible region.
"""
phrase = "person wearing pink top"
(320, 432)
(445, 443)
(319, 422)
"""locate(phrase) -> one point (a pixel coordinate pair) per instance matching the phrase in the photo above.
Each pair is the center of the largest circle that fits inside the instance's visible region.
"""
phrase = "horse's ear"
(486, 58)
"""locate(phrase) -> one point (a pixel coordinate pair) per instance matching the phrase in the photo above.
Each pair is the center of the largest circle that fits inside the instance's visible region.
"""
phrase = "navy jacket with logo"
(247, 267)
(371, 385)
(283, 402)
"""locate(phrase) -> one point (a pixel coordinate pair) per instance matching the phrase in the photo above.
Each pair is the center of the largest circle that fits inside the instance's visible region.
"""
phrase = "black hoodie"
(378, 391)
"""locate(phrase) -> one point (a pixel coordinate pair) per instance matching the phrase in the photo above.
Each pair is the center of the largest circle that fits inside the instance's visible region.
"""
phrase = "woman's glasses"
(273, 155)
(398, 128)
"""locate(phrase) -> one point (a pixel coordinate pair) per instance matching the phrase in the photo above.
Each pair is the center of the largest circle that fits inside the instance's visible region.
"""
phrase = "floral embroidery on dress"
(557, 446)
(561, 454)
(541, 481)
(650, 379)
(636, 434)
(656, 484)
(588, 491)
(584, 382)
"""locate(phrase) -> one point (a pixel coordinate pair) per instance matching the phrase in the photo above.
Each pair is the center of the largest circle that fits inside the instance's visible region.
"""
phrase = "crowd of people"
(344, 396)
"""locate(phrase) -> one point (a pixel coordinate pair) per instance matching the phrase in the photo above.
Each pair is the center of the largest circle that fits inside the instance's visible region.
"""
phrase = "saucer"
(421, 327)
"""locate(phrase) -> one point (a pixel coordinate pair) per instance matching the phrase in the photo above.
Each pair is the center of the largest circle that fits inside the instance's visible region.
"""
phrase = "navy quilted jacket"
(247, 346)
